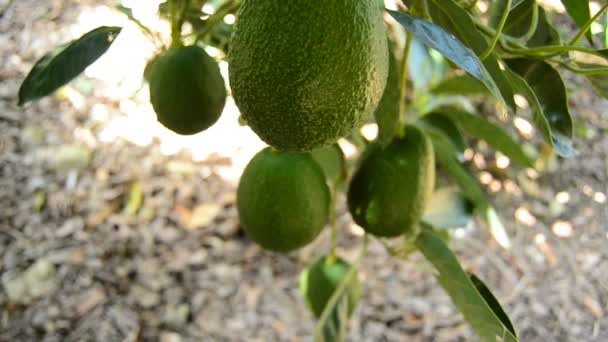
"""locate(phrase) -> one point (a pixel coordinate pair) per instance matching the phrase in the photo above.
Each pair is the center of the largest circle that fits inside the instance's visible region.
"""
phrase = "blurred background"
(113, 228)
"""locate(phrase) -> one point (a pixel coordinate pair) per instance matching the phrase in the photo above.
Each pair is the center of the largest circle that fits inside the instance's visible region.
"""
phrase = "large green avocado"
(391, 187)
(283, 199)
(304, 73)
(187, 90)
(319, 282)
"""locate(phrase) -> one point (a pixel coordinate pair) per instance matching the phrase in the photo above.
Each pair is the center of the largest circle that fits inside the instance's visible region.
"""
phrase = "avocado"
(283, 199)
(304, 73)
(187, 91)
(391, 187)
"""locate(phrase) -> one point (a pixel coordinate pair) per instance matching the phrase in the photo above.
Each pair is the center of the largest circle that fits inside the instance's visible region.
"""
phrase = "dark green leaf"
(604, 52)
(462, 291)
(463, 84)
(444, 42)
(548, 86)
(387, 113)
(454, 19)
(579, 11)
(60, 66)
(496, 10)
(522, 20)
(493, 134)
(494, 304)
(545, 33)
(522, 87)
(448, 208)
(448, 127)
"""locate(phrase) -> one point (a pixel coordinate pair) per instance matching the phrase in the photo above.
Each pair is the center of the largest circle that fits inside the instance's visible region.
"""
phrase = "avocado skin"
(283, 199)
(304, 73)
(392, 185)
(187, 91)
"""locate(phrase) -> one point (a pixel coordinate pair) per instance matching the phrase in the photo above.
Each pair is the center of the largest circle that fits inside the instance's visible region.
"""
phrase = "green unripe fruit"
(319, 281)
(389, 191)
(304, 73)
(283, 199)
(187, 90)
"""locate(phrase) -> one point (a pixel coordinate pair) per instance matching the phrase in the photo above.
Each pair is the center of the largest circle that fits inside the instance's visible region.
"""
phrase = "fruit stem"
(178, 11)
(215, 18)
(403, 85)
(332, 221)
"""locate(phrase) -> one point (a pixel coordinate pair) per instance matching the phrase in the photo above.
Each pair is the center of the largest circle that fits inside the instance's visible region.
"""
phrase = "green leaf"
(550, 92)
(463, 84)
(448, 208)
(448, 127)
(494, 304)
(545, 33)
(437, 38)
(63, 64)
(579, 11)
(454, 19)
(522, 20)
(462, 291)
(497, 7)
(493, 134)
(599, 82)
(446, 156)
(387, 113)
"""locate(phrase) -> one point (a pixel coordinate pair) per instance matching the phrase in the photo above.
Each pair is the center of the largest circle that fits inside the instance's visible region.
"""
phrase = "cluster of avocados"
(304, 74)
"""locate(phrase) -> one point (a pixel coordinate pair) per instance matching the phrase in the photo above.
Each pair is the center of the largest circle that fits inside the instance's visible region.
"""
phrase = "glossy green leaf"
(522, 20)
(462, 291)
(494, 304)
(448, 208)
(454, 19)
(550, 92)
(521, 86)
(545, 33)
(446, 156)
(448, 127)
(437, 38)
(497, 7)
(63, 64)
(491, 133)
(387, 113)
(463, 84)
(579, 11)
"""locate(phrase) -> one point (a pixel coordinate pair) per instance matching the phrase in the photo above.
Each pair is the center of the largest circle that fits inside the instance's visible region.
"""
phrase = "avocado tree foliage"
(305, 73)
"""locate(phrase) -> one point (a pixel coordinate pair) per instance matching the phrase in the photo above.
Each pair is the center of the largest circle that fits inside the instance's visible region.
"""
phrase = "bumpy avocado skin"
(187, 91)
(391, 187)
(306, 72)
(283, 199)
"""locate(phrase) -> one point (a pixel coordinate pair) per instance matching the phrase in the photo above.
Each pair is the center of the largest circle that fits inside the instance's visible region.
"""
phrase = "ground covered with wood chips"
(113, 229)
